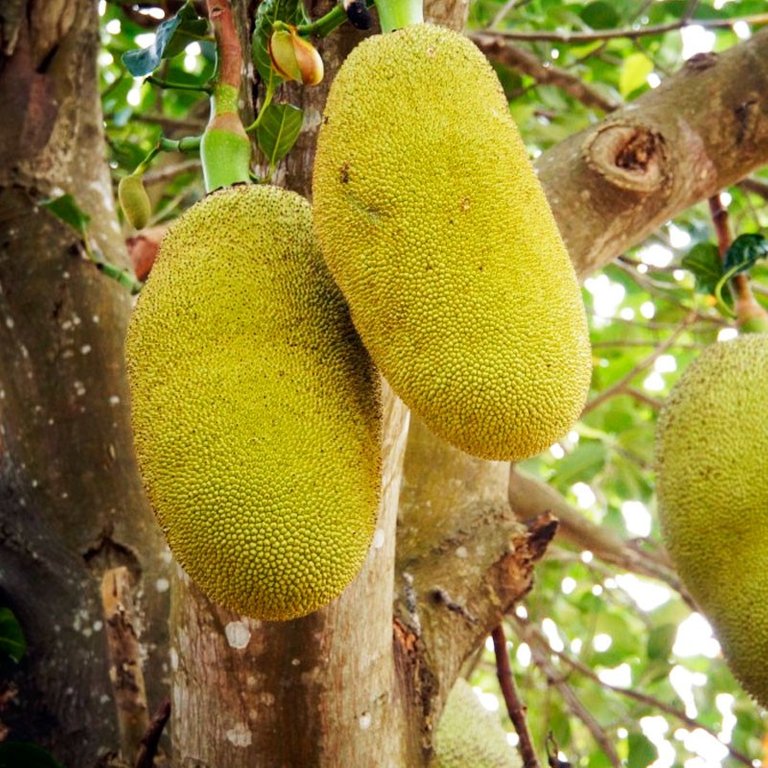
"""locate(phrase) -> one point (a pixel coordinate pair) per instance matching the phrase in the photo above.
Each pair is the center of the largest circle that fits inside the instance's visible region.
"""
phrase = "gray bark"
(71, 503)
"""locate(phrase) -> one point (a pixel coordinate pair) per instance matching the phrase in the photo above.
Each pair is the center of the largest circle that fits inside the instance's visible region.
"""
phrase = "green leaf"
(582, 464)
(704, 261)
(744, 252)
(66, 208)
(278, 130)
(642, 751)
(172, 36)
(14, 754)
(660, 641)
(634, 69)
(600, 15)
(12, 641)
(270, 11)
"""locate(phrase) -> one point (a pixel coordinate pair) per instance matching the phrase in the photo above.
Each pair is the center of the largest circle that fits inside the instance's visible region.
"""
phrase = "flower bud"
(134, 200)
(295, 58)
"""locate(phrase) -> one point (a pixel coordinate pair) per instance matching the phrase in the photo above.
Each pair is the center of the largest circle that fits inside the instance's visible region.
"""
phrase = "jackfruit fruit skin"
(469, 736)
(255, 408)
(432, 221)
(712, 487)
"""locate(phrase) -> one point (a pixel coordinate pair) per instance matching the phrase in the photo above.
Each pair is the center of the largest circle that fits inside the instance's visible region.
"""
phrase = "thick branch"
(702, 130)
(530, 498)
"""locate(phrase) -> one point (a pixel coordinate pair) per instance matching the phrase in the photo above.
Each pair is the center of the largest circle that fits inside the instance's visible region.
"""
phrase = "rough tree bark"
(71, 504)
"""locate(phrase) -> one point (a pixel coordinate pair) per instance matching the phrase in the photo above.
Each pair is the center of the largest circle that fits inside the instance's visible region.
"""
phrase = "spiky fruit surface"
(712, 485)
(435, 227)
(469, 736)
(255, 408)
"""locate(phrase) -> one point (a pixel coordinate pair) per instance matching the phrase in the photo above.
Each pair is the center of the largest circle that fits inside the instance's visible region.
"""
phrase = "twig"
(572, 701)
(631, 32)
(622, 384)
(641, 397)
(756, 186)
(722, 226)
(530, 632)
(145, 757)
(515, 708)
(169, 172)
(502, 52)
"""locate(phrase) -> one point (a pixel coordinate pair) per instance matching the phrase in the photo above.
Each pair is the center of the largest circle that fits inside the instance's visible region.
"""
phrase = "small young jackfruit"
(432, 221)
(255, 408)
(469, 736)
(712, 485)
(134, 200)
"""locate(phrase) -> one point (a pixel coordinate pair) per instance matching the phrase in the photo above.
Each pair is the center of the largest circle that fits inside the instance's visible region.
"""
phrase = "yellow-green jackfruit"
(469, 736)
(255, 407)
(432, 221)
(134, 200)
(712, 485)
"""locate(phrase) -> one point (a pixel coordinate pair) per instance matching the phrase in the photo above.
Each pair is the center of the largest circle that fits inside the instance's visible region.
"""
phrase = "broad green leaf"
(634, 69)
(642, 751)
(171, 37)
(12, 641)
(660, 641)
(66, 208)
(600, 15)
(22, 754)
(270, 11)
(278, 130)
(705, 263)
(745, 250)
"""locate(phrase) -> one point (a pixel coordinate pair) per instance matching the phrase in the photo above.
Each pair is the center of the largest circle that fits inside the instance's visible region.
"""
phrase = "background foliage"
(589, 632)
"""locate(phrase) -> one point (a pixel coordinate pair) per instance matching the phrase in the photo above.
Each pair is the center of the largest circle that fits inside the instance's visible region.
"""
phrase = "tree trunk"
(72, 508)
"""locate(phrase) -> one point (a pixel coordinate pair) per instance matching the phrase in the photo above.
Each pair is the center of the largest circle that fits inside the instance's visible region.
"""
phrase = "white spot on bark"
(364, 721)
(238, 634)
(97, 626)
(174, 659)
(9, 322)
(85, 349)
(461, 552)
(95, 319)
(240, 735)
(64, 495)
(65, 274)
(114, 400)
(378, 538)
(79, 388)
(267, 699)
(104, 698)
(162, 585)
(295, 662)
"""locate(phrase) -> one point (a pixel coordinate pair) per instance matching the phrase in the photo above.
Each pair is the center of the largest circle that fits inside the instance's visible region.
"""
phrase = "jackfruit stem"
(396, 14)
(225, 150)
(750, 316)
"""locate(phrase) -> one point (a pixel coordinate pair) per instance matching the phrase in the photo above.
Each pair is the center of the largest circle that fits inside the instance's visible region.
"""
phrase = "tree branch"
(541, 655)
(503, 52)
(631, 33)
(530, 497)
(515, 707)
(532, 635)
(702, 130)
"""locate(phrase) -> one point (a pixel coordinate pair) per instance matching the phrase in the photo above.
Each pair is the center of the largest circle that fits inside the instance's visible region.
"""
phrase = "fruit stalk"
(396, 14)
(225, 150)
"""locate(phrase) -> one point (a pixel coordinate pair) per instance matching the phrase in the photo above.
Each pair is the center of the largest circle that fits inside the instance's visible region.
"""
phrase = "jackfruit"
(432, 221)
(255, 408)
(712, 486)
(134, 200)
(469, 736)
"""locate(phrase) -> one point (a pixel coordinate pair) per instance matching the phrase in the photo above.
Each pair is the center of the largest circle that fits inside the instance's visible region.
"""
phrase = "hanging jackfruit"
(712, 486)
(469, 736)
(432, 221)
(255, 408)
